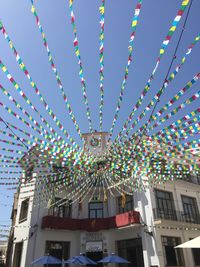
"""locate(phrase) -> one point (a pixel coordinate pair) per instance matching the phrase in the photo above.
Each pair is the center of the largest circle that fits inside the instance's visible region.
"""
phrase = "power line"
(18, 138)
(170, 66)
(165, 79)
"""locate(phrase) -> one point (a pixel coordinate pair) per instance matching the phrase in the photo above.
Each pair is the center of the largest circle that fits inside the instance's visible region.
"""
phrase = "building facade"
(3, 249)
(143, 228)
(11, 235)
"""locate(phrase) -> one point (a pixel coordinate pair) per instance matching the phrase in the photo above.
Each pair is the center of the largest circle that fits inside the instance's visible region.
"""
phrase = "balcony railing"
(62, 211)
(194, 179)
(174, 215)
(91, 225)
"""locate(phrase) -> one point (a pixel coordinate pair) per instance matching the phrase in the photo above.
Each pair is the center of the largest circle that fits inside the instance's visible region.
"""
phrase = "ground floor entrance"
(17, 254)
(131, 249)
(95, 256)
(59, 250)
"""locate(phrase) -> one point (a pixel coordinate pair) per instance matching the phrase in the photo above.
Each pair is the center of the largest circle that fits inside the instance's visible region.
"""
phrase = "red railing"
(91, 225)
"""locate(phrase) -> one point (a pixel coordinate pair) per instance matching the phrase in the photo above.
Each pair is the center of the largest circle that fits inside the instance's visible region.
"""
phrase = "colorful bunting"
(175, 110)
(131, 163)
(176, 97)
(53, 66)
(161, 53)
(81, 74)
(162, 89)
(101, 61)
(19, 90)
(130, 52)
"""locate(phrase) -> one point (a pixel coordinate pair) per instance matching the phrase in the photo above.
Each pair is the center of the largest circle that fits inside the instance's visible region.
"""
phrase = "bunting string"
(130, 55)
(7, 184)
(81, 74)
(9, 178)
(55, 165)
(9, 157)
(174, 127)
(101, 61)
(8, 161)
(10, 172)
(162, 89)
(11, 143)
(175, 110)
(184, 134)
(178, 140)
(165, 43)
(9, 150)
(29, 135)
(10, 111)
(176, 97)
(188, 145)
(37, 141)
(19, 90)
(17, 138)
(189, 116)
(43, 145)
(41, 130)
(53, 67)
(171, 102)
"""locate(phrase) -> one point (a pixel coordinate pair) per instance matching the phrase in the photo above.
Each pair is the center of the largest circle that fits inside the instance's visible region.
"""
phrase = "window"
(62, 208)
(59, 250)
(191, 213)
(131, 249)
(29, 173)
(198, 178)
(95, 210)
(24, 210)
(128, 205)
(165, 205)
(1, 258)
(196, 255)
(172, 256)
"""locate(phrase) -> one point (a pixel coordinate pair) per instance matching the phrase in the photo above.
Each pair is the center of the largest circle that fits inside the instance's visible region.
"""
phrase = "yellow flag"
(123, 200)
(105, 196)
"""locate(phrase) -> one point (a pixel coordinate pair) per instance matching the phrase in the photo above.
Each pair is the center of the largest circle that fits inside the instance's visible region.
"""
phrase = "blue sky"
(154, 22)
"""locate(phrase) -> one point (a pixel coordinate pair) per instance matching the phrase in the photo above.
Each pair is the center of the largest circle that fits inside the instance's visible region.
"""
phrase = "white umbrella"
(194, 243)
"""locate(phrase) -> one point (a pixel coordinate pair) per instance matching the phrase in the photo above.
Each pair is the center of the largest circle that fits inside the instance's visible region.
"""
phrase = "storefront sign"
(94, 246)
(94, 236)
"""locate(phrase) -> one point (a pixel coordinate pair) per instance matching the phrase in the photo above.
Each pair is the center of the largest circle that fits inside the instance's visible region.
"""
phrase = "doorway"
(95, 256)
(131, 249)
(18, 254)
(59, 250)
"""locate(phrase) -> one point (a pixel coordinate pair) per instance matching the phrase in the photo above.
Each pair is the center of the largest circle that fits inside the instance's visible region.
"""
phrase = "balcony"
(174, 215)
(91, 225)
(62, 211)
(194, 179)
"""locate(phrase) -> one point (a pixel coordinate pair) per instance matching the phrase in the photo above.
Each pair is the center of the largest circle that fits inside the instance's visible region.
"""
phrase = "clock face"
(94, 142)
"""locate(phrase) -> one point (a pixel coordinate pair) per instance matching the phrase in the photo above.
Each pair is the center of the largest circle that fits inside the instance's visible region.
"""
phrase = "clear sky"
(154, 22)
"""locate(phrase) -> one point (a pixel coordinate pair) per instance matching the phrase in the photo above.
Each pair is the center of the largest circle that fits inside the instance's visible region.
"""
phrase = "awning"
(194, 243)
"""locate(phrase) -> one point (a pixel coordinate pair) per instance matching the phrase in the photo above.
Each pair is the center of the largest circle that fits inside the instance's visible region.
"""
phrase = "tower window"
(95, 210)
(24, 210)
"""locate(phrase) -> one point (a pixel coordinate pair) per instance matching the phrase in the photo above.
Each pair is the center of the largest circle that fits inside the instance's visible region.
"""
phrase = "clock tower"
(96, 142)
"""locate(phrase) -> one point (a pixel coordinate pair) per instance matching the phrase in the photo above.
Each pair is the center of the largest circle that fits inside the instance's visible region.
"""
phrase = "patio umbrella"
(194, 243)
(113, 259)
(80, 260)
(47, 260)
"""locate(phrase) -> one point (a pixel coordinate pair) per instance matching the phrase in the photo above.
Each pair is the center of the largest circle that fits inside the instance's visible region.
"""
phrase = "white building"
(143, 229)
(3, 250)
